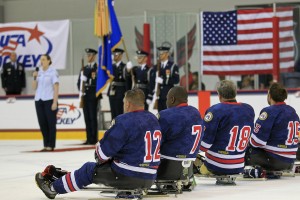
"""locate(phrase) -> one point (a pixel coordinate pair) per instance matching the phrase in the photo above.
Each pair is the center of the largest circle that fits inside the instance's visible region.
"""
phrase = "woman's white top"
(45, 82)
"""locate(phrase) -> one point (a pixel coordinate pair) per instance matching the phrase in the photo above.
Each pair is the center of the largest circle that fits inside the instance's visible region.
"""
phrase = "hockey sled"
(296, 168)
(223, 179)
(174, 177)
(134, 194)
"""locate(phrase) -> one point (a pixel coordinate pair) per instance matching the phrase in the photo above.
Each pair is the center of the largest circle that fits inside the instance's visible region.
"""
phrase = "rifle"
(82, 88)
(157, 86)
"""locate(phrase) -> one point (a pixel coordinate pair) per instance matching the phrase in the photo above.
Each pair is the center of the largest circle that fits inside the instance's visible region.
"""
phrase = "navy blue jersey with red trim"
(276, 131)
(227, 129)
(133, 142)
(181, 132)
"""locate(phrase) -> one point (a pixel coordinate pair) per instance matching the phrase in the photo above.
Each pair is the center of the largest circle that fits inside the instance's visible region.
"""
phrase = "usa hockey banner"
(241, 41)
(30, 40)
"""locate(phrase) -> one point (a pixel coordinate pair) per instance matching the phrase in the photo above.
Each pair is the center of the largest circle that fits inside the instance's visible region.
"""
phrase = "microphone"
(36, 69)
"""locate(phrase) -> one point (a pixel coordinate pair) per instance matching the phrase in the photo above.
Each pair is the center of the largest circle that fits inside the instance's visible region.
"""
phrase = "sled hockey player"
(127, 156)
(181, 127)
(274, 141)
(227, 129)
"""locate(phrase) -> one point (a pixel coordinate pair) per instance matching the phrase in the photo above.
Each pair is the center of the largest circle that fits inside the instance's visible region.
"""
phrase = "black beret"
(162, 48)
(117, 50)
(89, 50)
(142, 53)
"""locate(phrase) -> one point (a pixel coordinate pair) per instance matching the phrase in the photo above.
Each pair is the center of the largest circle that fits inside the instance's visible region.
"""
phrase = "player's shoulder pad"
(208, 117)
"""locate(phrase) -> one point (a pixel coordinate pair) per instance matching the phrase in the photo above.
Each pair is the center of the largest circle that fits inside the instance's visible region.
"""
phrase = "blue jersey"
(276, 131)
(227, 129)
(181, 132)
(133, 143)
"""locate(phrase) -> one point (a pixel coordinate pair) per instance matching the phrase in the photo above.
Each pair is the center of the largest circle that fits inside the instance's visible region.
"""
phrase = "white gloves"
(159, 80)
(148, 101)
(83, 77)
(129, 66)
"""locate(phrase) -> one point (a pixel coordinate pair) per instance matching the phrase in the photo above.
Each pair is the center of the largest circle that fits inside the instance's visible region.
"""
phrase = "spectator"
(13, 76)
(187, 79)
(194, 85)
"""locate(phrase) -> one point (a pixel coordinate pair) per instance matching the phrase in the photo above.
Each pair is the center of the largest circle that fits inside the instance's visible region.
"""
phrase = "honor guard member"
(88, 77)
(143, 76)
(168, 76)
(120, 84)
(13, 76)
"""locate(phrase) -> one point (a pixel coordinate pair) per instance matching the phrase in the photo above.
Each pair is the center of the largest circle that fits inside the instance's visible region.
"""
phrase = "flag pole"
(276, 59)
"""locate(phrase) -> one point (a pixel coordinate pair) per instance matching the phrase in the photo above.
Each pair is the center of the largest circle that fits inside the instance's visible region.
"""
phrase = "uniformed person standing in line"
(169, 76)
(120, 84)
(13, 76)
(88, 77)
(144, 77)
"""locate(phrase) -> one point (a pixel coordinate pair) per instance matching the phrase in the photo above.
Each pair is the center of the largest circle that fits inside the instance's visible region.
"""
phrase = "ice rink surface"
(18, 167)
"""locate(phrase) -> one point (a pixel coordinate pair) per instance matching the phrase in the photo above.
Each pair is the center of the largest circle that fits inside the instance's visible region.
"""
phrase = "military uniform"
(144, 79)
(170, 74)
(13, 78)
(90, 100)
(120, 84)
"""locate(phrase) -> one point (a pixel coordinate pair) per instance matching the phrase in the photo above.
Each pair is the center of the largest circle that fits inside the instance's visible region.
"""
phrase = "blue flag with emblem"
(110, 42)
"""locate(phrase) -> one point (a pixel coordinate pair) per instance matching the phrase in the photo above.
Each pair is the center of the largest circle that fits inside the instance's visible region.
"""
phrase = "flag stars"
(219, 28)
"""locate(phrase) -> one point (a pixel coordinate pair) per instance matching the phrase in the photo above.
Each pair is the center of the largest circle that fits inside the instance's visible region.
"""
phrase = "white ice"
(17, 170)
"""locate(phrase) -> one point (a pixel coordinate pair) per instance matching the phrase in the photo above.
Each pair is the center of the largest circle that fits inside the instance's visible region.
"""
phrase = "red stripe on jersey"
(254, 143)
(225, 161)
(281, 152)
(203, 149)
(69, 182)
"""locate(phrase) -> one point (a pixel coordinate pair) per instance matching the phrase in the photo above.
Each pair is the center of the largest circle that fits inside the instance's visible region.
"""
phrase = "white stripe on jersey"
(205, 145)
(280, 149)
(178, 159)
(65, 184)
(225, 166)
(72, 176)
(223, 156)
(102, 155)
(136, 169)
(277, 151)
(257, 140)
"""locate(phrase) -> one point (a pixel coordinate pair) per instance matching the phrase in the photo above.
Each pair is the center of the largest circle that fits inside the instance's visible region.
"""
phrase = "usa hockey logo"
(29, 43)
(67, 114)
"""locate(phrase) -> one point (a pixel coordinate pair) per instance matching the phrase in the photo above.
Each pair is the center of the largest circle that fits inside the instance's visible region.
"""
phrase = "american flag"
(241, 41)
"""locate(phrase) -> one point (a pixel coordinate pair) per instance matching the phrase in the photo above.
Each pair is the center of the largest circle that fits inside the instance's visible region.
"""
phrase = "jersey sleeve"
(165, 128)
(210, 124)
(114, 139)
(262, 129)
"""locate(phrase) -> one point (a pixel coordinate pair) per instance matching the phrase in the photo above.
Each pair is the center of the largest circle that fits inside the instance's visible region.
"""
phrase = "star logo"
(35, 34)
(72, 107)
